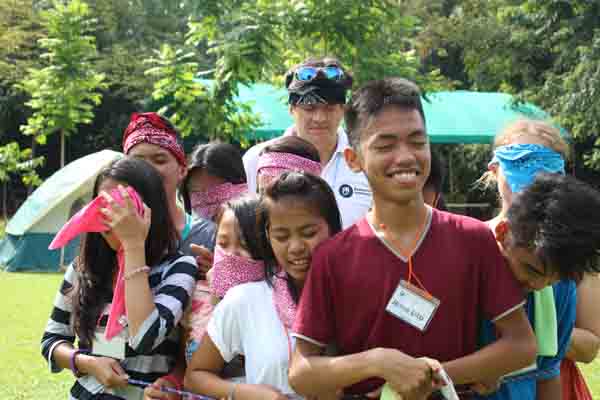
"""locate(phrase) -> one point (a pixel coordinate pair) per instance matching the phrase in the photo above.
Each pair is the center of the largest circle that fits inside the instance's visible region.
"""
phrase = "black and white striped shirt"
(153, 351)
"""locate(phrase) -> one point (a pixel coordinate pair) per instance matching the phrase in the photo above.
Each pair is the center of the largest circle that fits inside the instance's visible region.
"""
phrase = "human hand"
(204, 257)
(124, 221)
(106, 370)
(154, 392)
(410, 378)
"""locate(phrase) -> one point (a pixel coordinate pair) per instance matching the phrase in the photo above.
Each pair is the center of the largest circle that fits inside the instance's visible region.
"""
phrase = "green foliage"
(193, 107)
(544, 51)
(64, 93)
(14, 160)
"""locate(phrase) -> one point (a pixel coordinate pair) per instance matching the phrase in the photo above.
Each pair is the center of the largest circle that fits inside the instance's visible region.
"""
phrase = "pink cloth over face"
(271, 165)
(284, 303)
(206, 203)
(90, 219)
(230, 270)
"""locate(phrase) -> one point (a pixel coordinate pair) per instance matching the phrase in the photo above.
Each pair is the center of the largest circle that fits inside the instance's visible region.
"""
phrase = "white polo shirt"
(351, 189)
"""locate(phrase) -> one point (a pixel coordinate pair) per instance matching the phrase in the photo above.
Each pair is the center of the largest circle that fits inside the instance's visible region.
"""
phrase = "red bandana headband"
(150, 128)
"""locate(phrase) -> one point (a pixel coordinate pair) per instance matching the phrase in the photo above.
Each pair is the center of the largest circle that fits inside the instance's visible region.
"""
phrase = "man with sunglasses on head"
(317, 94)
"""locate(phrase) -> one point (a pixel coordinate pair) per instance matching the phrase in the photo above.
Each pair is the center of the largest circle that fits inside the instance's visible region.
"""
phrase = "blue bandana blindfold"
(520, 163)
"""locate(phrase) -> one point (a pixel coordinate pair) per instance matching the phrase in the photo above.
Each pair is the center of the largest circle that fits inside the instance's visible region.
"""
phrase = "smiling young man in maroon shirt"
(407, 281)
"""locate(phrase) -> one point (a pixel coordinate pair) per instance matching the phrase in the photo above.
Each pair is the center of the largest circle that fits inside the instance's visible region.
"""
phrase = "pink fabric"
(284, 304)
(200, 311)
(90, 219)
(205, 204)
(272, 165)
(230, 270)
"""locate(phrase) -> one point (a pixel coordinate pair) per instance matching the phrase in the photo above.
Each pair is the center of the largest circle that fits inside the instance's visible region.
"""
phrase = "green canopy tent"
(452, 117)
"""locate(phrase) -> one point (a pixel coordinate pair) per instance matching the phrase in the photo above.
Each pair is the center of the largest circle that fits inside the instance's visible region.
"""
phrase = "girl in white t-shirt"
(254, 319)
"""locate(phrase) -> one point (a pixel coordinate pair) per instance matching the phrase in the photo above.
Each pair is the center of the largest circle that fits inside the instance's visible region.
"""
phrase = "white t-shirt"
(351, 189)
(246, 322)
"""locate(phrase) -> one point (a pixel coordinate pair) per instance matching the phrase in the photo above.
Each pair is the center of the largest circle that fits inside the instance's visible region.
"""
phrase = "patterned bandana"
(520, 163)
(206, 203)
(284, 304)
(150, 128)
(271, 165)
(231, 270)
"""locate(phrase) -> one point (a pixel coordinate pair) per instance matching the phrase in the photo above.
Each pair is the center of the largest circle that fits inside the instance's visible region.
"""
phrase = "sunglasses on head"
(309, 73)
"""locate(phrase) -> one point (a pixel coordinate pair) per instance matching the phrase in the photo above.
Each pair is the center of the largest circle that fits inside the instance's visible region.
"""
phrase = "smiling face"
(229, 236)
(294, 231)
(394, 154)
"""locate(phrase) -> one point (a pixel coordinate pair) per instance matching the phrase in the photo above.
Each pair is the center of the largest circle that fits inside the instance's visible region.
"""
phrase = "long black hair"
(245, 210)
(311, 191)
(557, 218)
(222, 160)
(97, 262)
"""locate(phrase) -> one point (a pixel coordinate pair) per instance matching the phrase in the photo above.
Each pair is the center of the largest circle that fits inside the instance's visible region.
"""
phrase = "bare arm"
(549, 389)
(515, 349)
(202, 377)
(585, 339)
(314, 375)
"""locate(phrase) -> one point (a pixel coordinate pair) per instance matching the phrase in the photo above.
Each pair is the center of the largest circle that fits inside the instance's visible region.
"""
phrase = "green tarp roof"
(452, 117)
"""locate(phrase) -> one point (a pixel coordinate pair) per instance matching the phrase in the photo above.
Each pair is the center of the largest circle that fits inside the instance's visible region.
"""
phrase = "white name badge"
(412, 305)
(114, 348)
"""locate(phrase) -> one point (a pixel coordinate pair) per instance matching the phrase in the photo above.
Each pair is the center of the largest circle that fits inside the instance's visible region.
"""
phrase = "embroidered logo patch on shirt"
(346, 190)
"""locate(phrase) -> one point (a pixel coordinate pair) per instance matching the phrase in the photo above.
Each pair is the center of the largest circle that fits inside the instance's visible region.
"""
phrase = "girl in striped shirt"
(157, 282)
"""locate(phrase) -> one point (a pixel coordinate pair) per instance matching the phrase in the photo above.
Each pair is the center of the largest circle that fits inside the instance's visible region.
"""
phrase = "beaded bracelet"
(74, 354)
(136, 271)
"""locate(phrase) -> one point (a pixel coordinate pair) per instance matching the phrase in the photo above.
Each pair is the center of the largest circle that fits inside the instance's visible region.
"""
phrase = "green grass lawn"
(27, 301)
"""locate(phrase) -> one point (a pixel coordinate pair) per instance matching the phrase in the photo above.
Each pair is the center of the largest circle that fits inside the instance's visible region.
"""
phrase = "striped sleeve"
(59, 328)
(174, 290)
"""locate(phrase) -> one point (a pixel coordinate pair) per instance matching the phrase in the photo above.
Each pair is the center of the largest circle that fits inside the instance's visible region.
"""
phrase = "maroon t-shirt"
(354, 274)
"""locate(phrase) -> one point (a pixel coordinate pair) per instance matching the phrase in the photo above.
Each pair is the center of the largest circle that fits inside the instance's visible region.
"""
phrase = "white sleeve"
(227, 324)
(250, 160)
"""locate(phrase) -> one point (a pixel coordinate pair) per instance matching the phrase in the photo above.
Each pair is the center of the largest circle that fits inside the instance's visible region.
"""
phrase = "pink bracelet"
(136, 271)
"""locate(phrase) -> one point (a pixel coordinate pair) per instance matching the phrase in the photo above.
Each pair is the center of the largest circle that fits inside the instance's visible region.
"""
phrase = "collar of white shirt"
(342, 138)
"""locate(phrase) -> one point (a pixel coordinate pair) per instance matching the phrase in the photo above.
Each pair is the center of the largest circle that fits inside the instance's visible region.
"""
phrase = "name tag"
(114, 348)
(412, 305)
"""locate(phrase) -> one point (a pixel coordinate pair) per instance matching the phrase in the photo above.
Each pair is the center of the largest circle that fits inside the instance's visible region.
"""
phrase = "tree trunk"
(4, 200)
(62, 148)
(33, 148)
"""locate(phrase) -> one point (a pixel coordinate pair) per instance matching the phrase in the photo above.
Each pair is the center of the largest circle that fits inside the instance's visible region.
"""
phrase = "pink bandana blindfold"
(205, 204)
(90, 219)
(274, 164)
(230, 270)
(284, 303)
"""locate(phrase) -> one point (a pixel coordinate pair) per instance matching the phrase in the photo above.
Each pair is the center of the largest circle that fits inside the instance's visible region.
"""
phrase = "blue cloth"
(547, 367)
(522, 162)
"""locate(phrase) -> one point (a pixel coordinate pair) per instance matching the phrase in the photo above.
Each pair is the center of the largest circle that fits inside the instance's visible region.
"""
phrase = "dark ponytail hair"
(310, 191)
(97, 262)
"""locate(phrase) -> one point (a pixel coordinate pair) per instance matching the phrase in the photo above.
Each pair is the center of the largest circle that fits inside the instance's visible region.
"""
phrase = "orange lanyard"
(411, 272)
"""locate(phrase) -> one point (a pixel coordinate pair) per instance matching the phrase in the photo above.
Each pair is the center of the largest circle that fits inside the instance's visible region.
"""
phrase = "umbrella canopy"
(452, 117)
